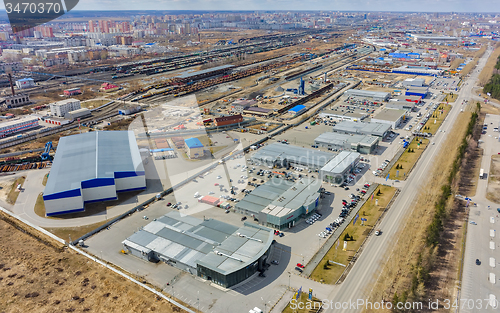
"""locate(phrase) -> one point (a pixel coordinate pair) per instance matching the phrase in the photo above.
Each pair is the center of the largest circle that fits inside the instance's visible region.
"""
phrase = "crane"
(45, 155)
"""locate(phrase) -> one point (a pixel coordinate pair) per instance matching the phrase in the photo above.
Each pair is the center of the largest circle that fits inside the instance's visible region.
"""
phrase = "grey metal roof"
(189, 241)
(208, 70)
(306, 156)
(92, 155)
(339, 139)
(279, 192)
(376, 129)
(341, 162)
(367, 93)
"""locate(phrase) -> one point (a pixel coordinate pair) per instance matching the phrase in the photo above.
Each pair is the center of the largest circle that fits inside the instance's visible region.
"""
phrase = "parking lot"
(445, 84)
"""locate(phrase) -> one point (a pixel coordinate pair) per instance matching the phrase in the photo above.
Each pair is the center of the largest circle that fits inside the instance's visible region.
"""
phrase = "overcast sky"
(330, 5)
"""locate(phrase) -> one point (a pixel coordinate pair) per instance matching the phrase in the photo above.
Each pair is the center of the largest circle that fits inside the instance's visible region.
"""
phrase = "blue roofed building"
(194, 148)
(297, 110)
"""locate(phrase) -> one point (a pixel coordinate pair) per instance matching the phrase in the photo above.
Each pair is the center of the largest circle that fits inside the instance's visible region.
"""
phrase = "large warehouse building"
(360, 143)
(213, 250)
(359, 128)
(282, 155)
(92, 167)
(279, 203)
(373, 95)
(339, 167)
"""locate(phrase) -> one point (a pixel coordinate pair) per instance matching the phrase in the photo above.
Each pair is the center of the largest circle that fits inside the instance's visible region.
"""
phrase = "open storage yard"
(42, 276)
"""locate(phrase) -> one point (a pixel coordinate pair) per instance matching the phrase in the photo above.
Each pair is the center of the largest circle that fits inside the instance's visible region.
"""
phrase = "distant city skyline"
(463, 6)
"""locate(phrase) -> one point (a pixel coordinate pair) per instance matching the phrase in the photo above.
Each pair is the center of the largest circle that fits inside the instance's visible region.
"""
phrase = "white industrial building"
(339, 167)
(83, 112)
(25, 83)
(373, 95)
(92, 167)
(60, 108)
(392, 117)
(370, 129)
(413, 82)
(354, 142)
(18, 125)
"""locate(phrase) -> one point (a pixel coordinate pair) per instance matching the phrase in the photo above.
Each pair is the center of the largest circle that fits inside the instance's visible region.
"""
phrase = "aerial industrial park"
(253, 161)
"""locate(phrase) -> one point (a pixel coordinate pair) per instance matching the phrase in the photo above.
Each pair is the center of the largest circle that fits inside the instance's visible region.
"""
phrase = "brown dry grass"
(14, 193)
(398, 269)
(493, 191)
(408, 159)
(432, 128)
(371, 212)
(455, 63)
(469, 67)
(39, 275)
(487, 71)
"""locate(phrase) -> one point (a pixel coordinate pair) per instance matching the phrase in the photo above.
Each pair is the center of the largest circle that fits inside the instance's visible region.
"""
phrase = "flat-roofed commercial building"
(279, 203)
(283, 155)
(60, 108)
(392, 117)
(359, 128)
(339, 167)
(213, 250)
(373, 95)
(360, 143)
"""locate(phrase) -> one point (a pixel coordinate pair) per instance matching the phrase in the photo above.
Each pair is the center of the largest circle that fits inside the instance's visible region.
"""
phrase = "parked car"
(300, 265)
(298, 269)
(275, 262)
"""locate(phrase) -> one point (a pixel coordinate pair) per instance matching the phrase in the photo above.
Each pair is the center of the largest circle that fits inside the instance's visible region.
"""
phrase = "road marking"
(492, 245)
(492, 262)
(492, 278)
(492, 233)
(493, 302)
(492, 220)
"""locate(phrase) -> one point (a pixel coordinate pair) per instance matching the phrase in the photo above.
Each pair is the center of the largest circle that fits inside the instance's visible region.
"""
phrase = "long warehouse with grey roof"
(92, 167)
(214, 250)
(360, 143)
(371, 129)
(283, 155)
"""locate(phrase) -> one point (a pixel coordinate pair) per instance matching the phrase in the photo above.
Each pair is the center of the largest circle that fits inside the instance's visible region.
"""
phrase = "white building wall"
(97, 193)
(130, 182)
(63, 204)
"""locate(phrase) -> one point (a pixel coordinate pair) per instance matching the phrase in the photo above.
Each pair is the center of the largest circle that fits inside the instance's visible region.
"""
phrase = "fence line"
(85, 254)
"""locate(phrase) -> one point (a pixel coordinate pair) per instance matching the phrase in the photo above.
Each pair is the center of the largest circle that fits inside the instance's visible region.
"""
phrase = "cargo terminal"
(213, 250)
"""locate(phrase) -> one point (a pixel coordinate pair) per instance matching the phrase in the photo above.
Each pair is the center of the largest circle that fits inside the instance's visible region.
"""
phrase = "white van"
(197, 194)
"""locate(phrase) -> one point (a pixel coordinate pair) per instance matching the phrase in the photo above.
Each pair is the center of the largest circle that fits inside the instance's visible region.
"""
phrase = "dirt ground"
(493, 192)
(41, 276)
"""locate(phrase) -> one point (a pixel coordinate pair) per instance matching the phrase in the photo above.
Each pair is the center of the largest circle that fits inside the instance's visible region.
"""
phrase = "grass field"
(396, 273)
(40, 206)
(487, 71)
(39, 275)
(451, 97)
(441, 112)
(14, 193)
(408, 159)
(331, 273)
(92, 104)
(44, 180)
(75, 232)
(303, 304)
(493, 191)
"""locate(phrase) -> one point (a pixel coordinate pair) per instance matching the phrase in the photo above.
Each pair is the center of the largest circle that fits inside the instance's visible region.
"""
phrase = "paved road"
(477, 284)
(367, 267)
